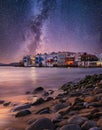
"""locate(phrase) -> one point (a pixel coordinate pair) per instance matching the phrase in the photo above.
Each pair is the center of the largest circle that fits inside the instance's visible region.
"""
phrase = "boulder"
(21, 107)
(88, 124)
(2, 101)
(31, 121)
(45, 94)
(37, 90)
(99, 123)
(57, 119)
(71, 127)
(41, 124)
(95, 104)
(38, 101)
(89, 99)
(43, 111)
(11, 129)
(59, 106)
(95, 128)
(6, 104)
(49, 99)
(50, 91)
(28, 92)
(23, 113)
(77, 120)
(61, 123)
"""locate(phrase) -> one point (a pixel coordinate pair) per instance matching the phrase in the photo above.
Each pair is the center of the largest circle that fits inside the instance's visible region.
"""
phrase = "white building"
(99, 62)
(27, 61)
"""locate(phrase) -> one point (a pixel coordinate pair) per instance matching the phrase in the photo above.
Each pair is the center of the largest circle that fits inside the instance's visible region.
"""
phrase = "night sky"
(34, 26)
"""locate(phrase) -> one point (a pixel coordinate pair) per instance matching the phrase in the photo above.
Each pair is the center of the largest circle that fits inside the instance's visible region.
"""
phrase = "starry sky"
(38, 26)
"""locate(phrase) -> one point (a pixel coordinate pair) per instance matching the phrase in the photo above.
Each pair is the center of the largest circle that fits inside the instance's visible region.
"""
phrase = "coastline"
(78, 103)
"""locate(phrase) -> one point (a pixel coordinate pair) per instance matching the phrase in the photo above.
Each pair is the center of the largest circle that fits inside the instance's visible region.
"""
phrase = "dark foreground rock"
(43, 111)
(77, 120)
(59, 106)
(37, 90)
(23, 113)
(95, 128)
(88, 124)
(21, 107)
(7, 103)
(71, 127)
(2, 101)
(11, 129)
(42, 124)
(38, 101)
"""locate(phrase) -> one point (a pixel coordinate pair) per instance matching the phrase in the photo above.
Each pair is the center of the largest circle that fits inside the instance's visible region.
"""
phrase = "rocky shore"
(75, 106)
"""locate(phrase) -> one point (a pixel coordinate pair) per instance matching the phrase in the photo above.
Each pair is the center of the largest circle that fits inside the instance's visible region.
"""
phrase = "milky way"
(70, 25)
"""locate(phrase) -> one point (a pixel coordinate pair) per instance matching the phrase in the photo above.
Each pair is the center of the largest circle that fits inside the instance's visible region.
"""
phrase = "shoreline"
(51, 66)
(78, 103)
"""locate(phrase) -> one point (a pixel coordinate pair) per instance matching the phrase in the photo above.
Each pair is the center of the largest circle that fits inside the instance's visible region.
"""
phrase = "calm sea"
(18, 80)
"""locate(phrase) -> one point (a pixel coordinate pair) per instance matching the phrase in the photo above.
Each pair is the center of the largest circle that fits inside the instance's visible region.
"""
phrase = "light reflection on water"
(17, 80)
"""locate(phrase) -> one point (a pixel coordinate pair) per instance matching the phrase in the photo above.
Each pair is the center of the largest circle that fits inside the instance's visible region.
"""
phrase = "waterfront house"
(70, 61)
(61, 58)
(99, 62)
(27, 61)
(88, 60)
(38, 60)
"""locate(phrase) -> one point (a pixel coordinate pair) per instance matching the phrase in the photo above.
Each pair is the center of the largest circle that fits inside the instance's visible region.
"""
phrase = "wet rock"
(77, 107)
(45, 94)
(41, 124)
(2, 101)
(11, 129)
(77, 120)
(71, 127)
(64, 112)
(62, 100)
(49, 99)
(59, 106)
(43, 111)
(21, 107)
(37, 90)
(76, 94)
(6, 104)
(38, 101)
(28, 92)
(99, 123)
(61, 95)
(68, 86)
(57, 119)
(23, 113)
(61, 123)
(96, 115)
(92, 114)
(85, 104)
(95, 104)
(95, 128)
(78, 101)
(88, 124)
(50, 91)
(31, 121)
